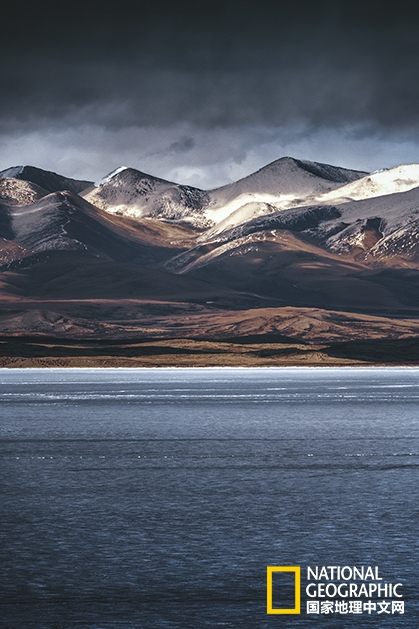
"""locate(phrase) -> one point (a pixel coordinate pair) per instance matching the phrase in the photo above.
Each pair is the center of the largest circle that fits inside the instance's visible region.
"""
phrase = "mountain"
(285, 181)
(374, 227)
(49, 181)
(65, 221)
(133, 256)
(129, 192)
(247, 208)
(289, 176)
(281, 266)
(132, 193)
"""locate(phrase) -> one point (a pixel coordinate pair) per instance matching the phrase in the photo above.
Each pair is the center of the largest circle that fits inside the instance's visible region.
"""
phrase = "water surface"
(154, 498)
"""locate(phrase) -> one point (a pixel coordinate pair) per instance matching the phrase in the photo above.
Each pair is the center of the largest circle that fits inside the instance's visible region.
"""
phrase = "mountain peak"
(110, 176)
(11, 173)
(127, 176)
(336, 174)
(285, 181)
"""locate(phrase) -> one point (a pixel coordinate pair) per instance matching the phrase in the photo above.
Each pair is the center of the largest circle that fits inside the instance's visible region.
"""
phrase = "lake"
(156, 498)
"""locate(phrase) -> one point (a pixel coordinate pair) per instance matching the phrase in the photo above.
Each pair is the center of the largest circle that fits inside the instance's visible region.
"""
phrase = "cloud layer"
(174, 75)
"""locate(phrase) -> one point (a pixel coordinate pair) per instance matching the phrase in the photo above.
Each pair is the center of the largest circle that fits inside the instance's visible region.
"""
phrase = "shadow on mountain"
(34, 347)
(6, 228)
(298, 274)
(79, 275)
(392, 351)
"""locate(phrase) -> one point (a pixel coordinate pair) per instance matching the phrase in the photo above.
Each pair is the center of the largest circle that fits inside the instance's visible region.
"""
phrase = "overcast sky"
(205, 92)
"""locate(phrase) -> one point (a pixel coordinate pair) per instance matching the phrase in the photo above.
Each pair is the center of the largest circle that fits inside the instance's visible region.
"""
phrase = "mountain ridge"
(135, 250)
(48, 180)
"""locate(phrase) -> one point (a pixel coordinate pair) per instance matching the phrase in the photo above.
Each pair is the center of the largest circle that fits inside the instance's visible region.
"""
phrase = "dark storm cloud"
(209, 64)
(182, 146)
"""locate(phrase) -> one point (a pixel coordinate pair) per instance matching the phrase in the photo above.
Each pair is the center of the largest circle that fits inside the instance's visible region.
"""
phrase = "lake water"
(156, 498)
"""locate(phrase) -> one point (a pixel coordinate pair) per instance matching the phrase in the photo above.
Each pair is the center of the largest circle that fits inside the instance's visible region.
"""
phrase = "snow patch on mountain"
(12, 172)
(110, 176)
(243, 208)
(402, 242)
(399, 179)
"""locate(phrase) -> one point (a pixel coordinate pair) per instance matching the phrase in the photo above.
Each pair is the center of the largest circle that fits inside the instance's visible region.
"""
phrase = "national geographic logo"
(333, 590)
(296, 571)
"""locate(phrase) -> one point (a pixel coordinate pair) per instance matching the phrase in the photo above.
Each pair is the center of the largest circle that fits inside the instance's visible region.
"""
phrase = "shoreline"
(41, 352)
(363, 367)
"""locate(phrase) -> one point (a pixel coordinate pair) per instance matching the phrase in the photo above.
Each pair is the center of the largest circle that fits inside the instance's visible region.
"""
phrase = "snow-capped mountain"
(283, 183)
(293, 234)
(346, 226)
(243, 212)
(344, 211)
(288, 176)
(131, 193)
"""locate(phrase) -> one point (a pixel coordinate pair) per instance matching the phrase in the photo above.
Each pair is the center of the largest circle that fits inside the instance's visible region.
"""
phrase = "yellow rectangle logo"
(296, 570)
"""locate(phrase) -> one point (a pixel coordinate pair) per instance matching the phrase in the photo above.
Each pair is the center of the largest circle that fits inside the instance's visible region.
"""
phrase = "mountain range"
(279, 266)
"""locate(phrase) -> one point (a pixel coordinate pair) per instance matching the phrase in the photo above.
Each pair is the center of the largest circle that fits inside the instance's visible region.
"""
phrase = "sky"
(206, 92)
